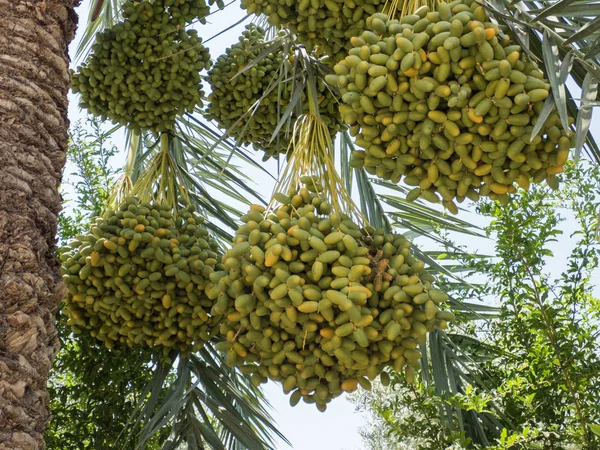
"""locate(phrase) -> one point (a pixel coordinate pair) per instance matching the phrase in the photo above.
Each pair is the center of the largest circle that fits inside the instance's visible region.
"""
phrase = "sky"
(303, 425)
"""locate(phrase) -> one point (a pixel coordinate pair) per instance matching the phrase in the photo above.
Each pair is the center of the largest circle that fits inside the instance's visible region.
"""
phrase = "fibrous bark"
(34, 80)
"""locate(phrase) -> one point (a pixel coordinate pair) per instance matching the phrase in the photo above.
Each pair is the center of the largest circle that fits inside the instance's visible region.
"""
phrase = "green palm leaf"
(206, 403)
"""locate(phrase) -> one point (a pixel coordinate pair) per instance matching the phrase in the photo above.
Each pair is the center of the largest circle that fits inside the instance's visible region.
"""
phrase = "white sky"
(303, 425)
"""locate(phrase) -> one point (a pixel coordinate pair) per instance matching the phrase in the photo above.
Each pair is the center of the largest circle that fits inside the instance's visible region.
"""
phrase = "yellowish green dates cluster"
(139, 278)
(316, 303)
(442, 101)
(144, 72)
(250, 104)
(172, 12)
(322, 25)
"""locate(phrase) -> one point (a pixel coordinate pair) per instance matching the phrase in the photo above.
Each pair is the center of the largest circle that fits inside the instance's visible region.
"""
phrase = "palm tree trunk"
(34, 79)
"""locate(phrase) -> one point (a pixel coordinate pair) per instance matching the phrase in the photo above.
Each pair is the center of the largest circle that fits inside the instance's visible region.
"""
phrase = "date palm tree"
(34, 37)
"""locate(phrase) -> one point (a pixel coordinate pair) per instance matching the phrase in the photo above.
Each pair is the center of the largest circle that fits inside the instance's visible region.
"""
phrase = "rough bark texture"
(34, 80)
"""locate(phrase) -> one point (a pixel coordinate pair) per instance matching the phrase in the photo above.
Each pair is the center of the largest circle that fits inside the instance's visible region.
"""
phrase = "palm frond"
(204, 168)
(302, 75)
(453, 369)
(207, 402)
(250, 400)
(226, 29)
(589, 93)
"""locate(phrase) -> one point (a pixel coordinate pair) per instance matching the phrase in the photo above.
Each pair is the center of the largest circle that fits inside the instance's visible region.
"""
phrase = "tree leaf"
(544, 114)
(269, 48)
(566, 66)
(553, 9)
(595, 428)
(499, 10)
(105, 17)
(593, 50)
(551, 61)
(370, 204)
(586, 30)
(584, 117)
(287, 114)
(306, 62)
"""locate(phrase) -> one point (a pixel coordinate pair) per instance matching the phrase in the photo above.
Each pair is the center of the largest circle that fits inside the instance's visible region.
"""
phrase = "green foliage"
(547, 332)
(540, 372)
(206, 403)
(89, 181)
(93, 392)
(258, 83)
(406, 417)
